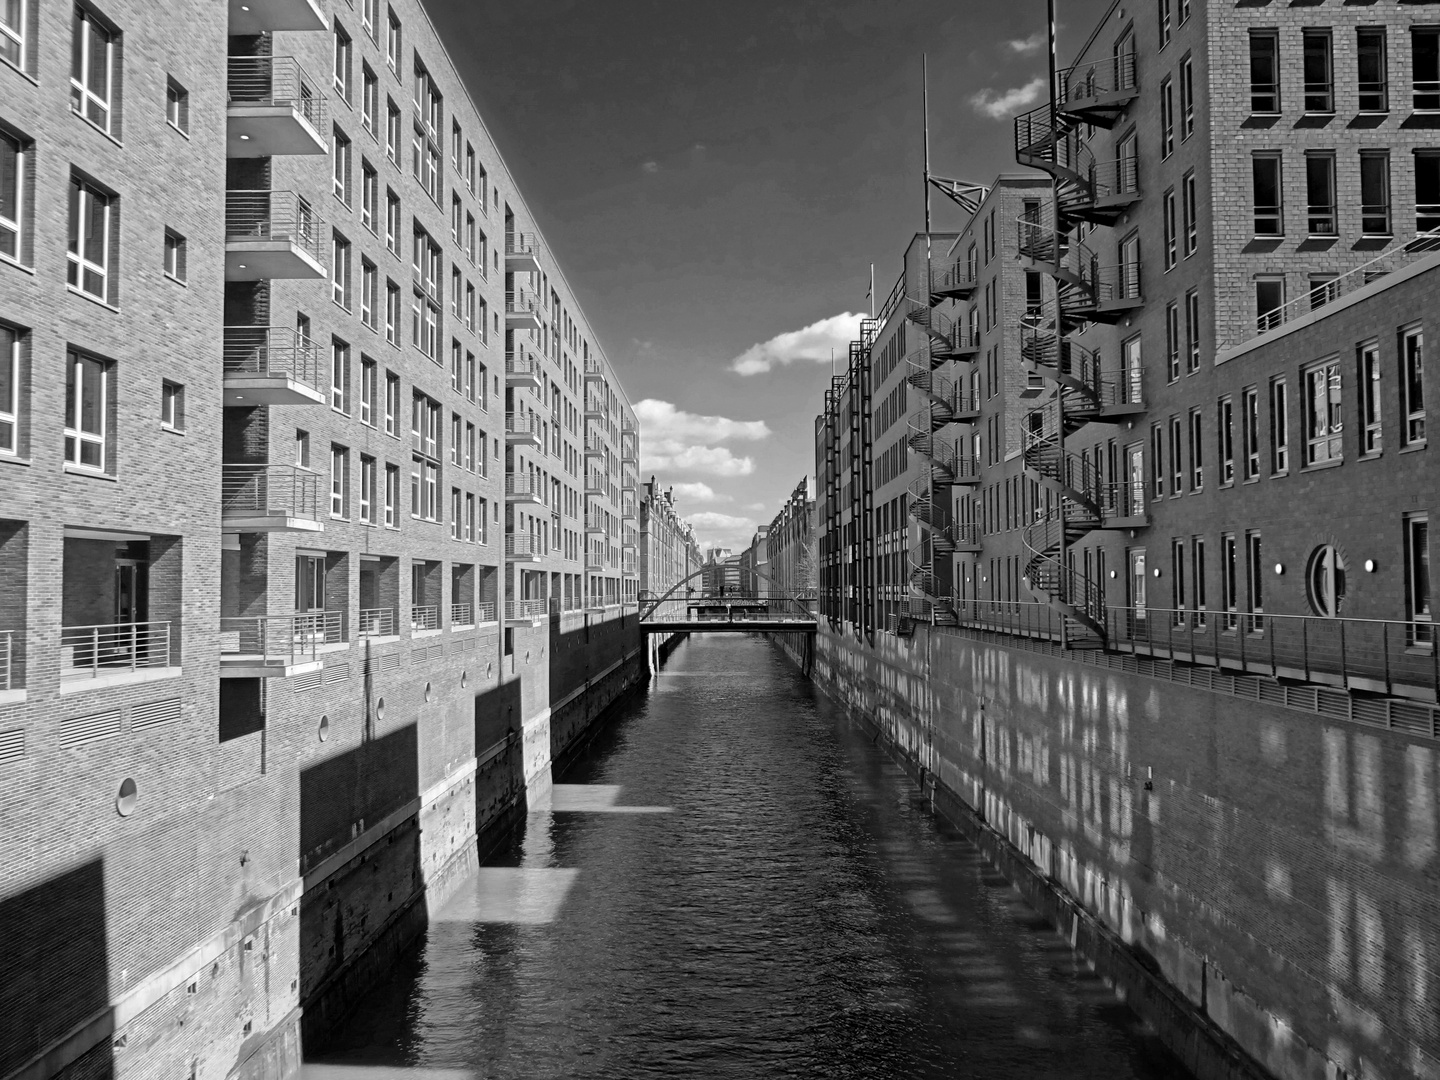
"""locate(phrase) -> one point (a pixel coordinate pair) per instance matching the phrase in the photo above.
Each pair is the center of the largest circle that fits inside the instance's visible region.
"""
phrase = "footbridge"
(689, 608)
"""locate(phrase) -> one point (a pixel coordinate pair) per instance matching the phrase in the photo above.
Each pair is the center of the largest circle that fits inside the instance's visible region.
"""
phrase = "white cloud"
(997, 105)
(698, 492)
(651, 166)
(662, 420)
(1025, 46)
(714, 460)
(814, 343)
(673, 440)
(722, 530)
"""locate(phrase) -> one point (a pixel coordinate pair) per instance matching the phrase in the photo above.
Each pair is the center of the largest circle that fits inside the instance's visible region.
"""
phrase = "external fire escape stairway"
(953, 282)
(1088, 394)
(1086, 289)
(932, 518)
(1086, 188)
(949, 340)
(1080, 601)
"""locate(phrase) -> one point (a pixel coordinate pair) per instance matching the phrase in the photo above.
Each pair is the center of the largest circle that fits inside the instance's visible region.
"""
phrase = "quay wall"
(1259, 882)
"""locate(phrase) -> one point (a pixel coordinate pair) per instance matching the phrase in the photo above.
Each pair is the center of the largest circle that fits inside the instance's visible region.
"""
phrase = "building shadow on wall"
(579, 655)
(54, 969)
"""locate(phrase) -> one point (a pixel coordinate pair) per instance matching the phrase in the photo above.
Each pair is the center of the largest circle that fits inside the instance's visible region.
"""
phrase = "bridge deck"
(721, 625)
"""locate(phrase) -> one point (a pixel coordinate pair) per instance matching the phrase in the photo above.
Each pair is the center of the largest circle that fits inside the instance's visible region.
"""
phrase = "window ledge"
(73, 291)
(14, 459)
(178, 281)
(17, 264)
(178, 130)
(94, 126)
(77, 470)
(1374, 455)
(1318, 466)
(21, 72)
(12, 697)
(424, 633)
(171, 429)
(1414, 447)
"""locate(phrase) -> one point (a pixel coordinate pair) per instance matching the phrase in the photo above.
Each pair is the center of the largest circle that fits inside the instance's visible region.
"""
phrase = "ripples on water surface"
(736, 883)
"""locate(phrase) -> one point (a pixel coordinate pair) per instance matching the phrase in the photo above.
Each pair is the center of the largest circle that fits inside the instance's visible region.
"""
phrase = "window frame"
(16, 36)
(79, 264)
(14, 226)
(1412, 385)
(172, 406)
(177, 105)
(76, 436)
(1317, 95)
(339, 482)
(10, 390)
(175, 256)
(1368, 385)
(82, 96)
(1373, 213)
(1378, 91)
(1322, 447)
(1322, 220)
(1279, 400)
(1269, 94)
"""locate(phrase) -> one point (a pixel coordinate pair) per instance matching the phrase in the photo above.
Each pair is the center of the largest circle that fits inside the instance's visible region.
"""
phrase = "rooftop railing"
(278, 351)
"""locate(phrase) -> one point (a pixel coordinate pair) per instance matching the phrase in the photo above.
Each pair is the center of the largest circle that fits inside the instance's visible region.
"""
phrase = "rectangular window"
(393, 43)
(12, 32)
(369, 376)
(1225, 439)
(367, 489)
(1254, 582)
(1372, 76)
(1417, 580)
(1425, 67)
(1229, 579)
(469, 518)
(1264, 71)
(1197, 577)
(369, 99)
(172, 405)
(393, 309)
(9, 390)
(1317, 61)
(177, 104)
(1177, 460)
(1427, 191)
(92, 64)
(1190, 208)
(1269, 303)
(392, 131)
(1167, 117)
(1177, 579)
(392, 404)
(340, 271)
(339, 482)
(1324, 420)
(457, 510)
(87, 407)
(369, 194)
(302, 449)
(456, 439)
(1279, 427)
(1172, 341)
(1187, 97)
(342, 63)
(1368, 384)
(1250, 431)
(1375, 192)
(90, 224)
(1157, 462)
(1412, 385)
(1172, 240)
(1192, 331)
(1164, 20)
(339, 376)
(13, 164)
(1320, 193)
(174, 255)
(1265, 186)
(340, 154)
(1197, 453)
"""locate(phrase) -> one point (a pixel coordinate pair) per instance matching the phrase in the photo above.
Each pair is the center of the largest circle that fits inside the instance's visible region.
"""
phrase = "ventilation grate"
(12, 745)
(337, 673)
(390, 662)
(154, 713)
(92, 727)
(308, 681)
(1415, 719)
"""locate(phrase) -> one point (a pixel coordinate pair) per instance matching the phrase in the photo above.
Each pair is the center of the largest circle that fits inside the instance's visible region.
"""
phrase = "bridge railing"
(728, 609)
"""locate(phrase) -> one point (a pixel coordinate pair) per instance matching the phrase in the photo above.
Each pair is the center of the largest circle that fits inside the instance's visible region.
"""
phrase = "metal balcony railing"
(377, 622)
(521, 365)
(6, 646)
(595, 523)
(522, 423)
(520, 610)
(275, 351)
(424, 617)
(273, 215)
(1105, 75)
(269, 490)
(277, 80)
(594, 444)
(520, 484)
(594, 560)
(462, 614)
(596, 483)
(485, 613)
(297, 636)
(87, 652)
(521, 243)
(522, 301)
(520, 544)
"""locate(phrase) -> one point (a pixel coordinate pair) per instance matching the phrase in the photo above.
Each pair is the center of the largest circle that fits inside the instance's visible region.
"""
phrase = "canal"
(734, 882)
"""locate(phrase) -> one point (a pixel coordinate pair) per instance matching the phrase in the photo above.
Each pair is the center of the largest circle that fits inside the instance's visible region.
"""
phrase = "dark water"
(783, 905)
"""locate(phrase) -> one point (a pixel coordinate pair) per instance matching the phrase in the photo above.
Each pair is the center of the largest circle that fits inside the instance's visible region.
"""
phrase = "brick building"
(335, 610)
(790, 544)
(668, 551)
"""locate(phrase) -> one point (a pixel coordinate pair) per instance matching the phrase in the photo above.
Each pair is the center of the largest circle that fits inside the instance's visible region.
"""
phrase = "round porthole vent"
(380, 708)
(127, 797)
(324, 731)
(429, 692)
(464, 679)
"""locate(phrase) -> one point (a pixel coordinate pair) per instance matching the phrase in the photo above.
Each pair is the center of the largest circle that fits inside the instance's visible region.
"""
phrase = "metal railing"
(7, 644)
(87, 652)
(520, 544)
(377, 622)
(1105, 75)
(595, 523)
(521, 243)
(522, 365)
(269, 490)
(594, 444)
(522, 423)
(485, 613)
(519, 610)
(272, 351)
(424, 617)
(520, 484)
(273, 215)
(277, 80)
(297, 635)
(596, 483)
(594, 561)
(522, 301)
(462, 614)
(737, 607)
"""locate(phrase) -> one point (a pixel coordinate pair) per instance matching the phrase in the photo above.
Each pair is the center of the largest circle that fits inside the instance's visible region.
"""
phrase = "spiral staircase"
(1086, 290)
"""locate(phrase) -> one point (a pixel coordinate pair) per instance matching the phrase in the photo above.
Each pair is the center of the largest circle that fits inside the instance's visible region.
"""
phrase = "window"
(302, 449)
(1320, 192)
(1427, 191)
(393, 43)
(172, 405)
(456, 438)
(1269, 302)
(1197, 453)
(367, 490)
(1157, 461)
(457, 140)
(1375, 192)
(342, 63)
(1187, 97)
(457, 511)
(392, 404)
(1177, 461)
(341, 155)
(91, 67)
(392, 131)
(1417, 580)
(369, 293)
(1250, 431)
(1368, 385)
(340, 270)
(470, 308)
(1197, 573)
(174, 255)
(1254, 581)
(1172, 341)
(1164, 22)
(177, 106)
(369, 376)
(425, 163)
(1167, 117)
(469, 518)
(1264, 71)
(1192, 331)
(339, 376)
(1425, 67)
(1228, 579)
(1172, 241)
(1279, 427)
(1225, 438)
(1324, 289)
(1190, 212)
(1269, 206)
(470, 455)
(392, 221)
(339, 482)
(87, 405)
(369, 99)
(369, 16)
(369, 194)
(309, 584)
(1319, 74)
(13, 164)
(425, 460)
(1372, 81)
(392, 496)
(1177, 579)
(1323, 418)
(9, 390)
(12, 32)
(89, 256)
(393, 307)
(1412, 386)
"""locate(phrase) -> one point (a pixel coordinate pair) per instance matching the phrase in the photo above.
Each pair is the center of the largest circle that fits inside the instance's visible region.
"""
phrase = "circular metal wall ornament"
(1325, 581)
(324, 731)
(126, 797)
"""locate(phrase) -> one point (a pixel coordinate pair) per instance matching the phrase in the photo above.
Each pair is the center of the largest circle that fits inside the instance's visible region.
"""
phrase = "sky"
(717, 179)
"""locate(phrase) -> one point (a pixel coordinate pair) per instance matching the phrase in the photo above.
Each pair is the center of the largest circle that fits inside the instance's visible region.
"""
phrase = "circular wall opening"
(1325, 581)
(380, 708)
(429, 692)
(126, 798)
(324, 731)
(464, 679)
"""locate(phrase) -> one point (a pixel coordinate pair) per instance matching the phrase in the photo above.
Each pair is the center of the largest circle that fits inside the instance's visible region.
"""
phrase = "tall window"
(1279, 426)
(339, 376)
(392, 404)
(1375, 192)
(1417, 580)
(392, 496)
(342, 63)
(92, 63)
(1177, 579)
(339, 482)
(1320, 192)
(1427, 191)
(1324, 420)
(1250, 430)
(392, 221)
(1177, 460)
(340, 270)
(1157, 461)
(87, 405)
(340, 152)
(1197, 577)
(393, 312)
(177, 106)
(1197, 452)
(393, 43)
(1319, 74)
(369, 98)
(1190, 207)
(1264, 71)
(89, 255)
(367, 490)
(174, 255)
(1172, 341)
(9, 390)
(1254, 581)
(12, 32)
(425, 459)
(1269, 203)
(1368, 383)
(1225, 439)
(369, 194)
(392, 131)
(1269, 302)
(1187, 97)
(1229, 575)
(1425, 67)
(369, 293)
(1372, 80)
(12, 195)
(1412, 386)
(1167, 117)
(1172, 240)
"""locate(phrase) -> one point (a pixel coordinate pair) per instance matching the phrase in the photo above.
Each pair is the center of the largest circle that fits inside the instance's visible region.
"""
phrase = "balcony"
(424, 617)
(596, 483)
(629, 447)
(594, 371)
(966, 536)
(271, 235)
(627, 509)
(7, 646)
(115, 652)
(520, 489)
(595, 409)
(377, 622)
(485, 613)
(522, 311)
(248, 17)
(1098, 91)
(522, 429)
(533, 612)
(521, 547)
(594, 560)
(274, 108)
(279, 646)
(269, 498)
(522, 253)
(629, 564)
(462, 615)
(271, 365)
(594, 445)
(522, 371)
(595, 523)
